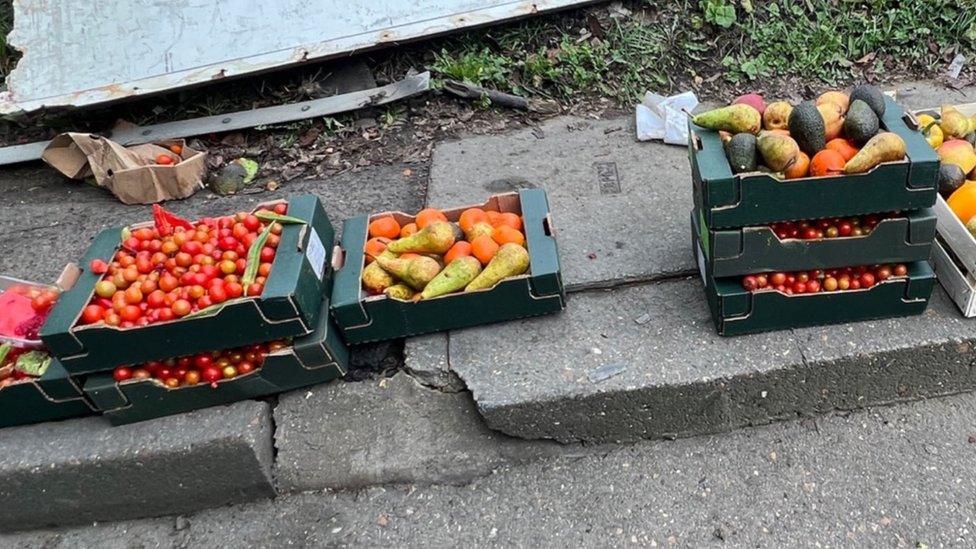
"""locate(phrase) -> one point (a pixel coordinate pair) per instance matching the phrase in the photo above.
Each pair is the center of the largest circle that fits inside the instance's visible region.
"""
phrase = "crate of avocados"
(407, 275)
(817, 244)
(843, 155)
(160, 388)
(35, 388)
(170, 288)
(750, 304)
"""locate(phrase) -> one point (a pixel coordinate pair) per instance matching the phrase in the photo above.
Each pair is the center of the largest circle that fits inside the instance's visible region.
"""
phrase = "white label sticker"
(315, 252)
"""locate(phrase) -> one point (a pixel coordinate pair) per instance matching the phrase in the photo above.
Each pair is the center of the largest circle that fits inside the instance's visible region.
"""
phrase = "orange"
(962, 202)
(385, 227)
(374, 247)
(510, 219)
(471, 216)
(427, 215)
(493, 218)
(484, 248)
(505, 234)
(460, 248)
(800, 168)
(843, 146)
(827, 162)
(408, 229)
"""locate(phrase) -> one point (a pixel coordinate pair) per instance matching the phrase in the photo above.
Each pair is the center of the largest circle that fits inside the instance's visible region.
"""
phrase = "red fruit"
(228, 243)
(211, 374)
(281, 208)
(130, 313)
(900, 270)
(754, 100)
(181, 307)
(164, 159)
(255, 289)
(750, 283)
(252, 223)
(98, 266)
(233, 290)
(122, 373)
(92, 314)
(813, 286)
(845, 228)
(867, 280)
(799, 287)
(267, 254)
(217, 294)
(778, 279)
(202, 361)
(809, 233)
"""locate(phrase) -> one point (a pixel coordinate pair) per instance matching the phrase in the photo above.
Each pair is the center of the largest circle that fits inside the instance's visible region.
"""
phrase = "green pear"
(884, 147)
(400, 291)
(454, 277)
(416, 271)
(510, 260)
(735, 119)
(375, 279)
(778, 151)
(436, 238)
(954, 123)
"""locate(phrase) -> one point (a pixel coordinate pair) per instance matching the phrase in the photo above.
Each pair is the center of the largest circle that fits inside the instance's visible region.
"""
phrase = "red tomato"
(181, 307)
(156, 299)
(98, 266)
(122, 373)
(217, 294)
(202, 361)
(281, 208)
(164, 159)
(255, 289)
(233, 290)
(252, 223)
(164, 314)
(43, 301)
(92, 314)
(130, 313)
(267, 254)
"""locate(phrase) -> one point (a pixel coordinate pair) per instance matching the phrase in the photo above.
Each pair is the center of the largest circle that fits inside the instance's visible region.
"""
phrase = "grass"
(665, 45)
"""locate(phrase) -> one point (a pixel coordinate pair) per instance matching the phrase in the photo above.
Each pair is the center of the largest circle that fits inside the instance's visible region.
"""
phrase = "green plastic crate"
(288, 307)
(315, 358)
(365, 318)
(751, 250)
(737, 311)
(51, 397)
(742, 200)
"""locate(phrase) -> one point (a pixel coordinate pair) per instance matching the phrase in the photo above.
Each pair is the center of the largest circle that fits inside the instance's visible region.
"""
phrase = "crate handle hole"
(547, 225)
(338, 258)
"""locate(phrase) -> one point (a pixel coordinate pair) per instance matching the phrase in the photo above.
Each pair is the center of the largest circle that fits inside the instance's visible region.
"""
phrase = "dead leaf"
(235, 139)
(309, 137)
(867, 58)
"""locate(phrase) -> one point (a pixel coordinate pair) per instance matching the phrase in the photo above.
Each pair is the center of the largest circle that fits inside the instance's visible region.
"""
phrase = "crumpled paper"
(660, 117)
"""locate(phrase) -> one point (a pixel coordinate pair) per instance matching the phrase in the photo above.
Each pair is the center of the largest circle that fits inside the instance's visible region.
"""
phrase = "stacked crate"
(732, 234)
(294, 306)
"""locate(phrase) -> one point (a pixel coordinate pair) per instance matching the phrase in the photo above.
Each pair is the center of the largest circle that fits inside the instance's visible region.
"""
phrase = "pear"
(777, 116)
(375, 279)
(954, 123)
(833, 116)
(734, 119)
(958, 152)
(779, 152)
(479, 229)
(400, 291)
(454, 277)
(838, 98)
(435, 238)
(416, 272)
(510, 260)
(884, 147)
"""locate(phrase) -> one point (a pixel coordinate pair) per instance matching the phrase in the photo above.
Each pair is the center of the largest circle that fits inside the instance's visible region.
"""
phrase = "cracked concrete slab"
(426, 360)
(85, 470)
(671, 376)
(389, 431)
(619, 207)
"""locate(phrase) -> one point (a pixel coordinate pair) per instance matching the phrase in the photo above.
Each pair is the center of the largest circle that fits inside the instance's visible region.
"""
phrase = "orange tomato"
(428, 215)
(471, 216)
(484, 248)
(493, 218)
(504, 234)
(827, 162)
(962, 202)
(385, 227)
(176, 149)
(164, 159)
(843, 146)
(374, 247)
(800, 168)
(459, 249)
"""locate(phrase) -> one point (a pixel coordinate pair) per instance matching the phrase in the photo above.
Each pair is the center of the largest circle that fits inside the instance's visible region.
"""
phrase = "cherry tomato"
(156, 299)
(181, 307)
(233, 289)
(164, 159)
(217, 294)
(92, 314)
(122, 373)
(130, 313)
(267, 254)
(133, 296)
(281, 208)
(211, 374)
(252, 223)
(140, 373)
(176, 149)
(255, 289)
(245, 368)
(43, 302)
(98, 266)
(191, 378)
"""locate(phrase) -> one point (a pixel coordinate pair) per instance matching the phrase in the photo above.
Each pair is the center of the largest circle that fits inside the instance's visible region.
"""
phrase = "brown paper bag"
(130, 173)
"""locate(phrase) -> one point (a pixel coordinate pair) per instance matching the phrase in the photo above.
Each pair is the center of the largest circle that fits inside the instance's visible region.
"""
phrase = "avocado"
(951, 178)
(870, 95)
(971, 138)
(741, 150)
(861, 123)
(807, 128)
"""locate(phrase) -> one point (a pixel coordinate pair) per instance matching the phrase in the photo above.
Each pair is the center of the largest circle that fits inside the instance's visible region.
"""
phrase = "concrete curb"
(84, 470)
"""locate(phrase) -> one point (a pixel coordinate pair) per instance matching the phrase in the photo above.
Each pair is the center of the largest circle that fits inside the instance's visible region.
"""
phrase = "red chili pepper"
(166, 221)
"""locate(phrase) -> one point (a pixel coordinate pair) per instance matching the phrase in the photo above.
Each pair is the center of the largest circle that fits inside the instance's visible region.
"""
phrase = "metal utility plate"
(85, 53)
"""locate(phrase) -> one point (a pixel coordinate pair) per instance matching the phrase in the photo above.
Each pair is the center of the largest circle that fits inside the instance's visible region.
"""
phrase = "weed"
(476, 66)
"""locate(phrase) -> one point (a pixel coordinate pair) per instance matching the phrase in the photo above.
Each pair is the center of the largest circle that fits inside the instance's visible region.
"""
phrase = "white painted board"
(78, 53)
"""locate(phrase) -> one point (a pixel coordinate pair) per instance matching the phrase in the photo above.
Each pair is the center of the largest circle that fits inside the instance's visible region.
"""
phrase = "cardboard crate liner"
(289, 305)
(364, 318)
(130, 173)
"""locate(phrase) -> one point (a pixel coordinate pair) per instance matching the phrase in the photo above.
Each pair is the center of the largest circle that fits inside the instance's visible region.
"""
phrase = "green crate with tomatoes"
(140, 392)
(170, 287)
(842, 154)
(438, 270)
(35, 388)
(812, 297)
